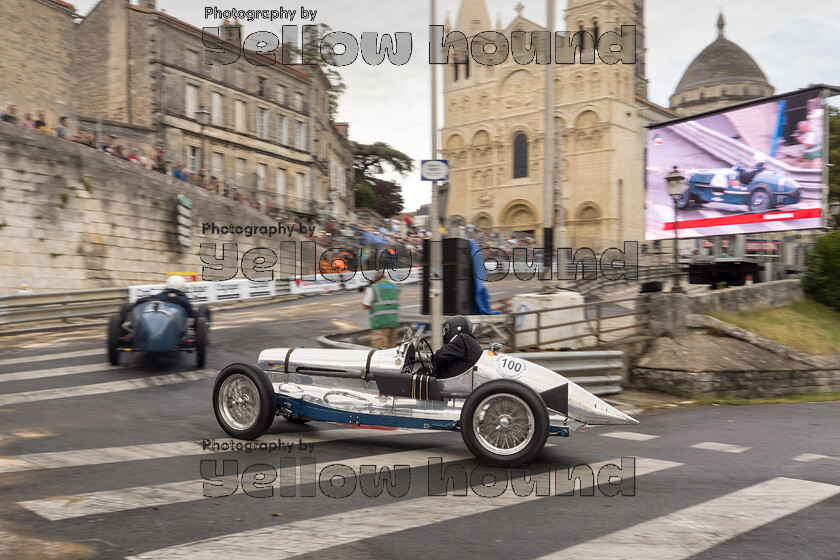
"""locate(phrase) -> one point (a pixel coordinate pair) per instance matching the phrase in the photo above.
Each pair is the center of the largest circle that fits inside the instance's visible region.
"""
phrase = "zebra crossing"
(170, 481)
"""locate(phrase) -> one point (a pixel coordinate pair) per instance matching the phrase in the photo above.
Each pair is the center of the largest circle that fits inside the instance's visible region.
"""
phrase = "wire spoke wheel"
(503, 424)
(239, 402)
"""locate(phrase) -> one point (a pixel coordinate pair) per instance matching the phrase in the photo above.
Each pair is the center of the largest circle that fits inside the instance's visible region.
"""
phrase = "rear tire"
(244, 401)
(201, 330)
(114, 339)
(504, 423)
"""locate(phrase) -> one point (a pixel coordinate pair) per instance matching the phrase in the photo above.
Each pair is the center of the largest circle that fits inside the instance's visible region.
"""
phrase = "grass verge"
(804, 325)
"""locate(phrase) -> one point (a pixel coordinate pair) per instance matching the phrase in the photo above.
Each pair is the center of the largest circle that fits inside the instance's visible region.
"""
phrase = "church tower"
(494, 130)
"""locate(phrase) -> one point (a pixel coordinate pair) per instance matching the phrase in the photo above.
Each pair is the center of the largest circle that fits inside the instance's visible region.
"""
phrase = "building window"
(520, 156)
(216, 105)
(192, 158)
(191, 104)
(281, 186)
(240, 172)
(299, 186)
(282, 130)
(240, 78)
(299, 101)
(281, 95)
(261, 86)
(262, 122)
(218, 169)
(300, 135)
(191, 60)
(262, 170)
(239, 116)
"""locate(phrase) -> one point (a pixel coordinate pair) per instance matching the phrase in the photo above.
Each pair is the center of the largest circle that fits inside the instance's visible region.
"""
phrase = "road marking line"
(45, 357)
(97, 503)
(727, 447)
(109, 387)
(106, 455)
(55, 372)
(349, 527)
(698, 528)
(635, 436)
(808, 457)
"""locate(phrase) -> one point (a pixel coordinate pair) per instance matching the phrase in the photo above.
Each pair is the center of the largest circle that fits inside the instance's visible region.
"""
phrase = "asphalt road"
(105, 462)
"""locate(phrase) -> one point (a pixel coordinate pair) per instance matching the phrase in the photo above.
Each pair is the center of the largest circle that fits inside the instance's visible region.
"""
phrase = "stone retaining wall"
(746, 384)
(738, 299)
(75, 218)
(804, 374)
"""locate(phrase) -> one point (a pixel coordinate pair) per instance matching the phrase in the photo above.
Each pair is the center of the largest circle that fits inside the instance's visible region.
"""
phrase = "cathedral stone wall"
(599, 156)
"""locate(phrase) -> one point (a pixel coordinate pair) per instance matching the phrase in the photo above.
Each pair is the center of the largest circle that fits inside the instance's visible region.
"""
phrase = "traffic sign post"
(184, 221)
(434, 170)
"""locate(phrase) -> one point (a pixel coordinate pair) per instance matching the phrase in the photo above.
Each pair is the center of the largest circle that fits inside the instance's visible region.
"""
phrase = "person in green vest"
(382, 297)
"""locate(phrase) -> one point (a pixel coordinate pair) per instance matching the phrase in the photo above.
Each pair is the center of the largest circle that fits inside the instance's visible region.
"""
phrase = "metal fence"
(603, 370)
(31, 308)
(597, 324)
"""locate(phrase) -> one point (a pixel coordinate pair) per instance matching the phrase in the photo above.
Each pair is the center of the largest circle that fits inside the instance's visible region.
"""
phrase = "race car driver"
(460, 350)
(175, 292)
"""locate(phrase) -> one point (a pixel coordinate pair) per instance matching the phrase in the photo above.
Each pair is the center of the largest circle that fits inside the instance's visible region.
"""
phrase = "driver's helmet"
(759, 159)
(176, 283)
(455, 325)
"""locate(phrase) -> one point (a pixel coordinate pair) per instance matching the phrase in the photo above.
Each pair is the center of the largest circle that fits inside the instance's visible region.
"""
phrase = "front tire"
(504, 423)
(760, 200)
(114, 329)
(244, 401)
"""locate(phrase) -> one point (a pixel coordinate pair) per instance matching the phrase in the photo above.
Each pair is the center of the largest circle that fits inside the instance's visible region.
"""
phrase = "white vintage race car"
(504, 406)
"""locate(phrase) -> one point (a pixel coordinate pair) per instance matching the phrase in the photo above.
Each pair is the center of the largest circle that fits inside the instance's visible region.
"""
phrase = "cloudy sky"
(392, 104)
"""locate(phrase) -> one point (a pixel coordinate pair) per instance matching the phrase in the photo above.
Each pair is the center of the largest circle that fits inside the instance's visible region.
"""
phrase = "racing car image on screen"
(757, 189)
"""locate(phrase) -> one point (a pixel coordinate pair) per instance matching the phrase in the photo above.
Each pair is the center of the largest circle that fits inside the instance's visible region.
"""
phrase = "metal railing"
(604, 369)
(32, 308)
(595, 325)
(27, 308)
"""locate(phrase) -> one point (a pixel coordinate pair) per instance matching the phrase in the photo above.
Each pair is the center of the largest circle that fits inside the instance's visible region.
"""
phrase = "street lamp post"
(203, 117)
(435, 256)
(676, 186)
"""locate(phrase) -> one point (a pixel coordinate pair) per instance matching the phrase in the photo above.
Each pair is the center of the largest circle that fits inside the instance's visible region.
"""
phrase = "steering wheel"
(425, 355)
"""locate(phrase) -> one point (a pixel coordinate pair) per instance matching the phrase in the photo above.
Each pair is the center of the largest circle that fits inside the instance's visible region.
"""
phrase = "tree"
(375, 159)
(820, 282)
(365, 198)
(389, 200)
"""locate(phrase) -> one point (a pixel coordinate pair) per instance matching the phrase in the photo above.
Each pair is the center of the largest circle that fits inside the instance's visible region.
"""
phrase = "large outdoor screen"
(749, 170)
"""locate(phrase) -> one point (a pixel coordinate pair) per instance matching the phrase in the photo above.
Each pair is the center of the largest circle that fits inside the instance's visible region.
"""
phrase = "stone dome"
(723, 73)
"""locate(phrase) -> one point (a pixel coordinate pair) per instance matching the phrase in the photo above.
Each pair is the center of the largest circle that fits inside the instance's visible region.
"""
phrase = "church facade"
(494, 130)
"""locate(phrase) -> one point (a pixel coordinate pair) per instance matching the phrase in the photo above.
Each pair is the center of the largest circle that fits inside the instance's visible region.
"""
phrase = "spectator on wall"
(159, 162)
(10, 116)
(108, 145)
(86, 138)
(41, 122)
(177, 172)
(63, 127)
(28, 123)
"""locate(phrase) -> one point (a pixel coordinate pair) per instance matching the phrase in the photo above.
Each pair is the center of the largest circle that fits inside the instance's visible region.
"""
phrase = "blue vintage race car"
(150, 325)
(758, 189)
